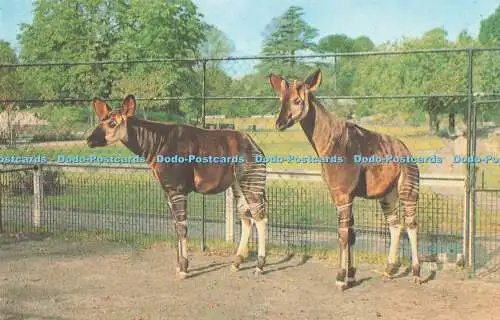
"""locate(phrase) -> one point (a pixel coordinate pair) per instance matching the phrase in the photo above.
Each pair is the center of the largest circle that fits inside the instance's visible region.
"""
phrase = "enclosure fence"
(123, 202)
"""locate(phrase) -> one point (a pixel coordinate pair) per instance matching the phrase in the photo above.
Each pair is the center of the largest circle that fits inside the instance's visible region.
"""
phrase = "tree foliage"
(98, 30)
(10, 82)
(489, 31)
(116, 30)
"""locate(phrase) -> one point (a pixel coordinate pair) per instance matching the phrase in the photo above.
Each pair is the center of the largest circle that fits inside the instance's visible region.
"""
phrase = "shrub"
(21, 183)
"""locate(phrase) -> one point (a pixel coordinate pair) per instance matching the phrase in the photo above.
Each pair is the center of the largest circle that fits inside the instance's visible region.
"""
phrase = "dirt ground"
(47, 278)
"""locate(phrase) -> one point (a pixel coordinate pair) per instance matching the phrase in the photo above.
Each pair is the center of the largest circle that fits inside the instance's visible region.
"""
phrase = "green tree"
(487, 64)
(335, 43)
(362, 43)
(97, 30)
(10, 82)
(217, 45)
(345, 67)
(286, 34)
(489, 31)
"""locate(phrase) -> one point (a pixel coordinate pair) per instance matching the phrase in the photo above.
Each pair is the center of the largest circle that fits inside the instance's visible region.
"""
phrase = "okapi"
(152, 139)
(386, 182)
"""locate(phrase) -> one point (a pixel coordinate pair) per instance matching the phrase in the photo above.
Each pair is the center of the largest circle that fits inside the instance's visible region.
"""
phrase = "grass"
(307, 205)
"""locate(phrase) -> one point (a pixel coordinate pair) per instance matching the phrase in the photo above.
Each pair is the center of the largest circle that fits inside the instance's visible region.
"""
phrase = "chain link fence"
(441, 103)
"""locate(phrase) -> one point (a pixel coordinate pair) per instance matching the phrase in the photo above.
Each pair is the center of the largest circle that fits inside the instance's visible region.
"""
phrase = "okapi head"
(294, 98)
(112, 125)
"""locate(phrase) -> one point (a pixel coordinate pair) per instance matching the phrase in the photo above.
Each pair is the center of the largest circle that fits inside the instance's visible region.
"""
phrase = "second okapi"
(219, 166)
(386, 182)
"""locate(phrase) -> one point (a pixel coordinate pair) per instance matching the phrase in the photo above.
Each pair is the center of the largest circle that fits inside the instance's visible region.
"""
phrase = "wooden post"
(229, 215)
(37, 195)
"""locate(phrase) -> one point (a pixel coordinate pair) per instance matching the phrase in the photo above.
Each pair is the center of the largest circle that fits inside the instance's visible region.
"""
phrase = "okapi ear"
(275, 82)
(314, 80)
(128, 106)
(101, 108)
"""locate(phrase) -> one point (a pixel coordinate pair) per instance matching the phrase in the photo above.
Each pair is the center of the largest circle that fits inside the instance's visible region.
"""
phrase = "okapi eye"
(112, 123)
(298, 101)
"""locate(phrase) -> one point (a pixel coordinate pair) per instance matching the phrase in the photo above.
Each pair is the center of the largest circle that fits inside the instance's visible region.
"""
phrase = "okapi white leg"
(394, 247)
(411, 225)
(178, 205)
(388, 205)
(412, 234)
(347, 238)
(408, 193)
(182, 248)
(261, 226)
(242, 253)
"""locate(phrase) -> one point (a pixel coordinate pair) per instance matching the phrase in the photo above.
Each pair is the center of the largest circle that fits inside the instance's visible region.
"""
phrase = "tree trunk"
(433, 123)
(451, 123)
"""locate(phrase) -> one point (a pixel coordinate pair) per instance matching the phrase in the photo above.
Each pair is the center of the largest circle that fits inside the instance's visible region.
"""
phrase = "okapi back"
(152, 139)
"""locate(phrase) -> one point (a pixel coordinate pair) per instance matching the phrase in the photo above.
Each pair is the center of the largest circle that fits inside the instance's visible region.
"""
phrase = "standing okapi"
(152, 139)
(386, 182)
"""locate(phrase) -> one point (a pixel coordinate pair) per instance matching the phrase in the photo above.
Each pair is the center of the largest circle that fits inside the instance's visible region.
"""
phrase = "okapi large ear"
(101, 108)
(314, 80)
(128, 106)
(276, 82)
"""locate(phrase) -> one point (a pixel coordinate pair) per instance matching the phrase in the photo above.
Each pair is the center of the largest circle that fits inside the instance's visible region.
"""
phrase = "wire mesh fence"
(429, 99)
(126, 205)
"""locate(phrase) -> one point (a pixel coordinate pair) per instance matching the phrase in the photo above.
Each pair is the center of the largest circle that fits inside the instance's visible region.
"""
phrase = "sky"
(243, 21)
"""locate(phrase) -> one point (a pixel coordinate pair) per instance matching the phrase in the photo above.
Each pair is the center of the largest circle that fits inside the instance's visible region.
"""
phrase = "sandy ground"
(55, 279)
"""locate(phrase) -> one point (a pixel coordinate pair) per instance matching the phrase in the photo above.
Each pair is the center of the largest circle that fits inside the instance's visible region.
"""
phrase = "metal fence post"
(229, 215)
(471, 168)
(465, 226)
(1, 202)
(37, 195)
(203, 102)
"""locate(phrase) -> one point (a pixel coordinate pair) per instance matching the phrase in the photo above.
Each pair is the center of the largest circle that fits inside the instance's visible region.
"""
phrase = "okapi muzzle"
(286, 118)
(97, 138)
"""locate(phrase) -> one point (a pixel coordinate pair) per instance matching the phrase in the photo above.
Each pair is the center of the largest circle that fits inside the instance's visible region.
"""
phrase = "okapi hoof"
(258, 271)
(235, 267)
(416, 274)
(390, 270)
(237, 262)
(342, 286)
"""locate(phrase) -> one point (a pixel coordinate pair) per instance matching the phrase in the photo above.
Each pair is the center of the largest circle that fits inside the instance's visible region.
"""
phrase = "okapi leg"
(261, 226)
(347, 238)
(389, 208)
(253, 186)
(408, 193)
(177, 255)
(179, 204)
(411, 225)
(242, 253)
(243, 211)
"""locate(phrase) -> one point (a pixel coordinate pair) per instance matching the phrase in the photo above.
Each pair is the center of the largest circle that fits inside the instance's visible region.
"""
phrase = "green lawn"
(297, 203)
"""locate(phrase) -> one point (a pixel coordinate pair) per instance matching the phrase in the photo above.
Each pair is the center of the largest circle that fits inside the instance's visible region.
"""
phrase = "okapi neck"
(320, 127)
(143, 137)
